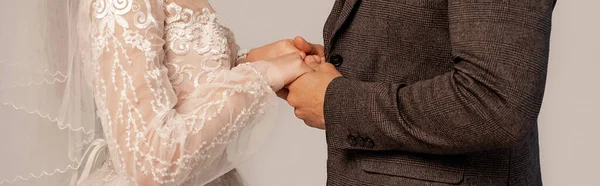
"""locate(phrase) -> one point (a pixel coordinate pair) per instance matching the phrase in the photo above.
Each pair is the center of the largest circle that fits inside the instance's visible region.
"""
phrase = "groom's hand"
(309, 48)
(307, 94)
(283, 47)
(313, 61)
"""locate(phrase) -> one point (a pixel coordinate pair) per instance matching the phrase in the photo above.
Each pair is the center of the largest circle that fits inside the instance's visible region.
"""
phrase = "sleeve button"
(352, 140)
(361, 142)
(370, 143)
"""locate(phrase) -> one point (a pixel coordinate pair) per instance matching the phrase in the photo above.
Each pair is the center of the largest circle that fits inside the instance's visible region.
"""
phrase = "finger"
(283, 93)
(298, 113)
(309, 48)
(298, 55)
(318, 50)
(292, 99)
(302, 44)
(317, 58)
(313, 61)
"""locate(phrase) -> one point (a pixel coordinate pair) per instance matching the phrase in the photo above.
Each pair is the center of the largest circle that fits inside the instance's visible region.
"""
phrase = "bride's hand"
(312, 61)
(283, 47)
(271, 50)
(290, 66)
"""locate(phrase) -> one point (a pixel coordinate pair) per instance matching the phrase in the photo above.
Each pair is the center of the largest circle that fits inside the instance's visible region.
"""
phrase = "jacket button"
(352, 140)
(336, 60)
(362, 142)
(370, 143)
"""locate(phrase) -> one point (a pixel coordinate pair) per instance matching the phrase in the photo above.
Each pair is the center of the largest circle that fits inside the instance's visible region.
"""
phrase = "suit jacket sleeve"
(491, 99)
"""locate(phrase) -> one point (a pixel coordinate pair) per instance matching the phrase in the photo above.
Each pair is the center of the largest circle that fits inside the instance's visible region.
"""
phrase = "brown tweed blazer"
(436, 92)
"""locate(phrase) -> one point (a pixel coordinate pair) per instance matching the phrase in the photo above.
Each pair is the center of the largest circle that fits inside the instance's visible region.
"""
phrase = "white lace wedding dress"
(176, 104)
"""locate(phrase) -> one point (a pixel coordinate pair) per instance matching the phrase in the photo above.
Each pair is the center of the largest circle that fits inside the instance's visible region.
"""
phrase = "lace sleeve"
(169, 102)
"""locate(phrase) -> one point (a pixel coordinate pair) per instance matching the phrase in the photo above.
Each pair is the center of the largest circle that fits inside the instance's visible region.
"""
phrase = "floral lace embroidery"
(135, 96)
(201, 32)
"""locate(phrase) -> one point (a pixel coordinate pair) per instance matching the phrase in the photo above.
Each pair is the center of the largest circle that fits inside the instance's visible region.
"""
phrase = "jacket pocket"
(435, 168)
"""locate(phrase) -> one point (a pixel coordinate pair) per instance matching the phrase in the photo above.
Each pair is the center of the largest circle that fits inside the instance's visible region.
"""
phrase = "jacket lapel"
(331, 20)
(333, 25)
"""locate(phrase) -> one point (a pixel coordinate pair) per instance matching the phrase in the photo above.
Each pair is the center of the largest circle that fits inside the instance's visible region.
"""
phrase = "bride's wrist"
(271, 74)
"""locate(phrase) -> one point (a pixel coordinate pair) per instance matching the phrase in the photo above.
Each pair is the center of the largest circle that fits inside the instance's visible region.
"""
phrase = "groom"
(430, 92)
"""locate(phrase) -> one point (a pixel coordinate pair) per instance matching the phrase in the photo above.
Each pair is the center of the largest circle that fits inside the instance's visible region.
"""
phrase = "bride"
(178, 103)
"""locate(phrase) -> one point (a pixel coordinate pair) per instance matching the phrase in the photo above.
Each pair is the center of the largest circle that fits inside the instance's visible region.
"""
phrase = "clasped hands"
(306, 76)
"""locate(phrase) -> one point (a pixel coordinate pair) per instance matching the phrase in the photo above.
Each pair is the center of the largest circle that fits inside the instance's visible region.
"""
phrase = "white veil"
(47, 119)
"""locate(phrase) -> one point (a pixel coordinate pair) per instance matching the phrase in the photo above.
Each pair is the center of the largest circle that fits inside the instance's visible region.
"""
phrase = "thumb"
(309, 48)
(302, 44)
(295, 55)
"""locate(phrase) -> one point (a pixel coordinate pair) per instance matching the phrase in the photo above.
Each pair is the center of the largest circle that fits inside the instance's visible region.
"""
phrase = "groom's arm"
(491, 99)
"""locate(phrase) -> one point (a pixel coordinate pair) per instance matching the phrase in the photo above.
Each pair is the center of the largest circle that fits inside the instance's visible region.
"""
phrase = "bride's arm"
(154, 138)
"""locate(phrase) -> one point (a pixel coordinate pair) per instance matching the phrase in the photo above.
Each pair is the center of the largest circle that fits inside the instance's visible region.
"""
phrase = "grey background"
(569, 123)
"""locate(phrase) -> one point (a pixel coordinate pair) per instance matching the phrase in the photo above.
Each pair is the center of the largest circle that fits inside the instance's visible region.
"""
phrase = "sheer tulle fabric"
(47, 116)
(174, 107)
